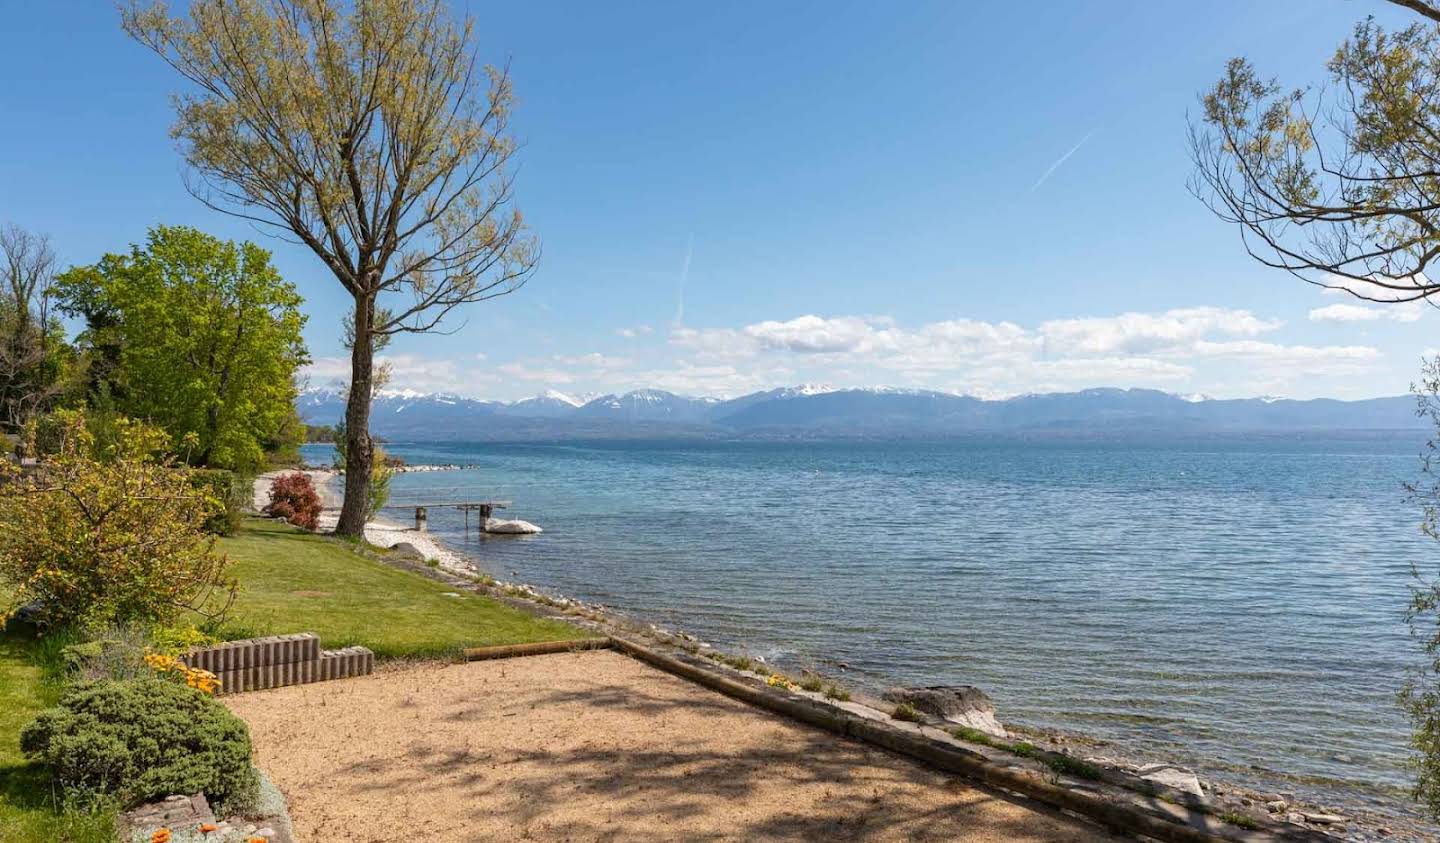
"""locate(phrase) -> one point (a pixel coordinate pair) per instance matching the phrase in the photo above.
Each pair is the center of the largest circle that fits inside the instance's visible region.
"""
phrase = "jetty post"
(484, 508)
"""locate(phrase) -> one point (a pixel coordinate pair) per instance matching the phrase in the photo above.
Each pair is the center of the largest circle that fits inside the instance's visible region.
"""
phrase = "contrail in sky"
(684, 276)
(1061, 160)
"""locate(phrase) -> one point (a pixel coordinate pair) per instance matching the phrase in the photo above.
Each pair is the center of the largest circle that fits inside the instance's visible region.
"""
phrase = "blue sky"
(985, 198)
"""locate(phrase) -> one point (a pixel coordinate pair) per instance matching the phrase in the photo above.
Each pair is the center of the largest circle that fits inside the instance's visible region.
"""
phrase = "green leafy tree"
(202, 336)
(367, 131)
(109, 534)
(1339, 187)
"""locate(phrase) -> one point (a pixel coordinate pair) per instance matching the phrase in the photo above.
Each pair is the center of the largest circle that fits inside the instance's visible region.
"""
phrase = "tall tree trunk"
(359, 450)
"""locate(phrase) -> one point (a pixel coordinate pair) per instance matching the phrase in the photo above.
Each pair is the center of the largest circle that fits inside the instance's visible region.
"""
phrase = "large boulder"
(514, 527)
(963, 705)
(1172, 775)
(406, 550)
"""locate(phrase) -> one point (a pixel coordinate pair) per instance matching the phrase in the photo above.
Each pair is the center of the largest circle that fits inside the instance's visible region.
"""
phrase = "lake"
(1230, 604)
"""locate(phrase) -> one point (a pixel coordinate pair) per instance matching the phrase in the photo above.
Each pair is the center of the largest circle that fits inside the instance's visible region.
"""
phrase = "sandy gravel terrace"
(595, 746)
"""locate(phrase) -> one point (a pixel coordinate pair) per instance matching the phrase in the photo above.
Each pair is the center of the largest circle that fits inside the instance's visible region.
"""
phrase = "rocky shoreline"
(1355, 824)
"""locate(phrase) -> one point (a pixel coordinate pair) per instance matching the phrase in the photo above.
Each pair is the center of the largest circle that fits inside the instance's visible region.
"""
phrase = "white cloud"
(1169, 349)
(1148, 332)
(814, 335)
(1270, 350)
(1210, 349)
(1405, 312)
(525, 372)
(633, 333)
(1339, 285)
(593, 360)
(407, 371)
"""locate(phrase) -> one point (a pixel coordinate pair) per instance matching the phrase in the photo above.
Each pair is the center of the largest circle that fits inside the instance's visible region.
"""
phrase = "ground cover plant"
(31, 802)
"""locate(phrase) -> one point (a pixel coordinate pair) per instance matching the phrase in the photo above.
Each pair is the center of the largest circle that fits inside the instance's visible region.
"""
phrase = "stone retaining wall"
(278, 660)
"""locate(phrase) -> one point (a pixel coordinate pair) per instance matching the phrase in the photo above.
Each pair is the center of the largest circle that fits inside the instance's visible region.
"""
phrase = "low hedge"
(138, 740)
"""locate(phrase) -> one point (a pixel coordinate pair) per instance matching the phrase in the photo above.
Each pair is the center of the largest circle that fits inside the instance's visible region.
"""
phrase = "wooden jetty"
(485, 509)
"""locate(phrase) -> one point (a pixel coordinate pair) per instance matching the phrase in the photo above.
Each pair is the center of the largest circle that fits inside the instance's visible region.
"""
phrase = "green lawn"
(293, 581)
(27, 801)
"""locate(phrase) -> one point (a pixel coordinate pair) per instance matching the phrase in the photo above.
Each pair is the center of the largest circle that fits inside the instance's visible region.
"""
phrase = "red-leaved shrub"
(293, 498)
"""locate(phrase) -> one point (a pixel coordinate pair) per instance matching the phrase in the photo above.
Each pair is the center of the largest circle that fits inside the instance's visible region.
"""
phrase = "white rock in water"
(516, 527)
(1172, 776)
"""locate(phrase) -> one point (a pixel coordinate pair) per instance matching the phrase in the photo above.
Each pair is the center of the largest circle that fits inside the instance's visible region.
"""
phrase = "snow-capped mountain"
(649, 405)
(818, 411)
(396, 410)
(550, 404)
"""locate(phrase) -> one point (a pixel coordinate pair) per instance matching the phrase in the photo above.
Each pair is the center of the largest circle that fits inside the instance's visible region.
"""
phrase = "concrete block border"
(275, 661)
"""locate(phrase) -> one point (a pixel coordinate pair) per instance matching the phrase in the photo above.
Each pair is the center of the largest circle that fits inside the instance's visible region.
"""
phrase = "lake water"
(1233, 605)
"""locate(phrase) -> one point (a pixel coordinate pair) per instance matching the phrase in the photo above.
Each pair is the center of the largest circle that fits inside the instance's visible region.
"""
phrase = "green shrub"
(111, 656)
(835, 692)
(1070, 765)
(178, 640)
(143, 739)
(108, 535)
(966, 733)
(227, 490)
(1025, 749)
(906, 712)
(1236, 818)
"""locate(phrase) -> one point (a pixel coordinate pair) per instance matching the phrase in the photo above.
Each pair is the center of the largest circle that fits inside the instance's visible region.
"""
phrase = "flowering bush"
(168, 666)
(108, 533)
(293, 498)
(144, 739)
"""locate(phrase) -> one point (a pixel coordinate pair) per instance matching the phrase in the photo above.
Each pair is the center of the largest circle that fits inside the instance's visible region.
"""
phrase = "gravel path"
(595, 746)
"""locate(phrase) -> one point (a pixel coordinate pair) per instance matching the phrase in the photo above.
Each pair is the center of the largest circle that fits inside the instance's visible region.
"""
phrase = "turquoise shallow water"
(1233, 605)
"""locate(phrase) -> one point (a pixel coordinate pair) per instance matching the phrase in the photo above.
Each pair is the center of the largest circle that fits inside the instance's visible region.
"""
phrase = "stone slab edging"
(1123, 810)
(539, 648)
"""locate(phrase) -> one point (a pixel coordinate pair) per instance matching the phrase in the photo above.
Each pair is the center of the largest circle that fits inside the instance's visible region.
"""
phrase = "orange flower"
(161, 836)
(206, 828)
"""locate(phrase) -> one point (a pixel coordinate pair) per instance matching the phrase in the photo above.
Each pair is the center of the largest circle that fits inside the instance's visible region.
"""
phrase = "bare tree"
(368, 132)
(28, 377)
(1339, 186)
(1425, 8)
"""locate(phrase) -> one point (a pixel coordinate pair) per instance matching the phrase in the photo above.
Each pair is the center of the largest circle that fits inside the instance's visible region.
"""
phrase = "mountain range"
(821, 412)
